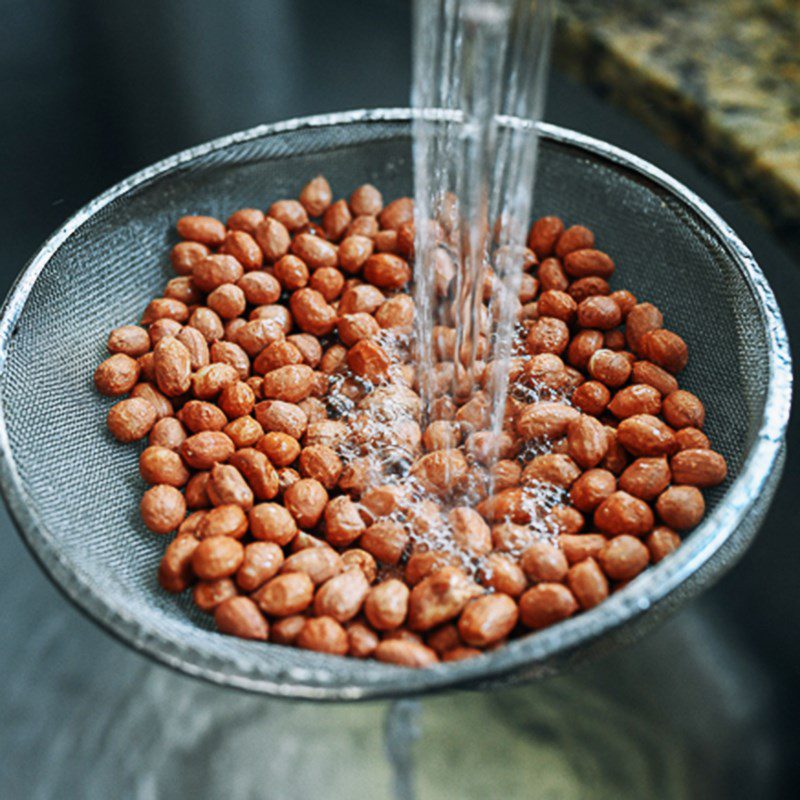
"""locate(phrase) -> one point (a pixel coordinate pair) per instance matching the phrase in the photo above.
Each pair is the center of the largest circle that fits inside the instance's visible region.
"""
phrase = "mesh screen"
(84, 488)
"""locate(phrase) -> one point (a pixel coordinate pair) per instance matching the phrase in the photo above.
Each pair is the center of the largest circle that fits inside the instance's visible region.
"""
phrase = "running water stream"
(479, 77)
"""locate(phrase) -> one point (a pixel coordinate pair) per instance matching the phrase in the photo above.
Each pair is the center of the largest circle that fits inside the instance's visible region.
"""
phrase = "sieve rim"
(539, 652)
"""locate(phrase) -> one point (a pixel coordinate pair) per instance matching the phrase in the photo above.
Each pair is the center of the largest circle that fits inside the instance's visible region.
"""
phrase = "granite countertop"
(717, 79)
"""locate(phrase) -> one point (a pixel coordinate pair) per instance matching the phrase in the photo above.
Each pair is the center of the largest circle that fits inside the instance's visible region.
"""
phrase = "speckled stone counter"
(718, 79)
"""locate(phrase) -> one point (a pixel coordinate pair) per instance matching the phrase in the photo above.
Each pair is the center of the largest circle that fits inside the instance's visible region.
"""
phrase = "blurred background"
(706, 706)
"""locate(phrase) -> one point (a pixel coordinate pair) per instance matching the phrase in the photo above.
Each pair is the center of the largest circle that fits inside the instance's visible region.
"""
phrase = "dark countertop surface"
(717, 79)
(706, 706)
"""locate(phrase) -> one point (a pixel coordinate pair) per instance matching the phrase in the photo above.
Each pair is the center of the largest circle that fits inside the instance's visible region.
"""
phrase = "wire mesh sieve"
(74, 492)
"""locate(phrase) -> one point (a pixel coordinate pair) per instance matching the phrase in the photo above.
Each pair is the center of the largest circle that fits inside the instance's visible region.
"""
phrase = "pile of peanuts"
(286, 334)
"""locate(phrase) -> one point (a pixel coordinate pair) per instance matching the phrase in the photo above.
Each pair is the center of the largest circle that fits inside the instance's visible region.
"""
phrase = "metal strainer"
(74, 492)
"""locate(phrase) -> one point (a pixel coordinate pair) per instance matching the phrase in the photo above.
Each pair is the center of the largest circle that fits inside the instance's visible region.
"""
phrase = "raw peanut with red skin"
(661, 542)
(185, 255)
(591, 397)
(385, 540)
(641, 319)
(162, 328)
(243, 432)
(239, 616)
(405, 653)
(488, 619)
(224, 520)
(216, 270)
(622, 513)
(698, 467)
(236, 400)
(162, 465)
(576, 237)
(599, 312)
(261, 561)
(209, 381)
(230, 354)
(557, 304)
(545, 604)
(646, 435)
(587, 442)
(228, 301)
(324, 635)
(609, 367)
(245, 219)
(545, 419)
(368, 360)
(206, 230)
(387, 271)
(366, 199)
(543, 561)
(316, 252)
(198, 415)
(646, 478)
(470, 533)
(439, 598)
(356, 558)
(271, 522)
(273, 239)
(289, 213)
(131, 340)
(503, 575)
(665, 349)
(243, 247)
(551, 275)
(173, 367)
(578, 547)
(165, 308)
(591, 488)
(162, 508)
(689, 438)
(588, 583)
(131, 419)
(217, 557)
(553, 468)
(682, 409)
(207, 595)
(286, 594)
(306, 501)
(651, 374)
(282, 417)
(636, 399)
(316, 196)
(203, 450)
(335, 220)
(285, 630)
(257, 334)
(117, 375)
(361, 639)
(291, 272)
(208, 323)
(260, 288)
(342, 596)
(544, 235)
(328, 281)
(588, 263)
(623, 558)
(281, 449)
(319, 563)
(397, 213)
(291, 384)
(197, 346)
(681, 507)
(197, 490)
(191, 525)
(386, 605)
(583, 346)
(227, 486)
(175, 570)
(547, 335)
(167, 432)
(343, 522)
